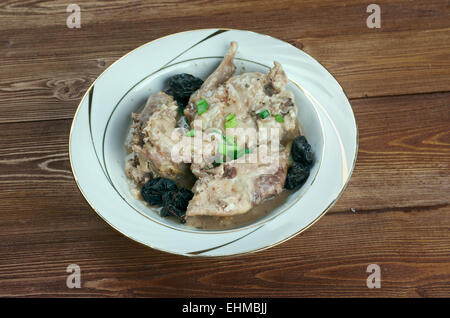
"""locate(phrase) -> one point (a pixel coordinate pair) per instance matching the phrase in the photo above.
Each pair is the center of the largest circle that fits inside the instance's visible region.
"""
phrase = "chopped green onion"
(279, 118)
(231, 123)
(231, 140)
(226, 148)
(229, 149)
(202, 106)
(264, 114)
(229, 117)
(239, 152)
(222, 149)
(191, 133)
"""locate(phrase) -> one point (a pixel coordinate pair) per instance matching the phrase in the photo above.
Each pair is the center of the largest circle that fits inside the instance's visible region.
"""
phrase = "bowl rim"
(198, 253)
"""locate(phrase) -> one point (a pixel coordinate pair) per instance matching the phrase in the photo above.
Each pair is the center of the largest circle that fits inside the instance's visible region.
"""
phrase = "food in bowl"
(222, 152)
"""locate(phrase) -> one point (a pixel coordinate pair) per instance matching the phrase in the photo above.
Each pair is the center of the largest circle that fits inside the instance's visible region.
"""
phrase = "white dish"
(100, 125)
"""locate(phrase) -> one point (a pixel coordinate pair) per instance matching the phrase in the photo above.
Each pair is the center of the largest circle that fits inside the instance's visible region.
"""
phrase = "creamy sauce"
(207, 222)
(235, 221)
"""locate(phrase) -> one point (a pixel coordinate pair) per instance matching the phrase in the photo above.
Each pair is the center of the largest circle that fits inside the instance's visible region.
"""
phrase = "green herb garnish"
(231, 121)
(264, 114)
(279, 118)
(239, 152)
(231, 140)
(202, 106)
(230, 117)
(231, 124)
(191, 133)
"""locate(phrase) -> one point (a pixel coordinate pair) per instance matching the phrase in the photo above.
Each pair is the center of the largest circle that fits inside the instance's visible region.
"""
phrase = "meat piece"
(277, 78)
(245, 96)
(152, 141)
(135, 172)
(235, 187)
(214, 92)
(222, 73)
(238, 186)
(256, 92)
(225, 188)
(220, 99)
(151, 106)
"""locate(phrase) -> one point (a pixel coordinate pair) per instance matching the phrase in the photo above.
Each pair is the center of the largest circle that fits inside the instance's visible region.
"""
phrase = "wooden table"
(395, 211)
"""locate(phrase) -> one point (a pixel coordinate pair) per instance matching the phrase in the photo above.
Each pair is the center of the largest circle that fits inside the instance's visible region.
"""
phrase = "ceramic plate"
(102, 120)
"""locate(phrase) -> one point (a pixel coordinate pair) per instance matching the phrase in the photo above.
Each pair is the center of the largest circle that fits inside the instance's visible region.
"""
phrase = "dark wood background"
(398, 81)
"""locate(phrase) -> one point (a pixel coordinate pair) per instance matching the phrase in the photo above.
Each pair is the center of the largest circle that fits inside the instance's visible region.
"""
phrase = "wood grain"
(404, 152)
(49, 225)
(395, 211)
(48, 67)
(408, 246)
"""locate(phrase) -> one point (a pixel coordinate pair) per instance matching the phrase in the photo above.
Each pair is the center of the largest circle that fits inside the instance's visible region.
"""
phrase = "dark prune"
(153, 190)
(173, 211)
(181, 198)
(170, 210)
(164, 192)
(303, 158)
(181, 87)
(178, 199)
(301, 151)
(167, 197)
(296, 176)
(175, 203)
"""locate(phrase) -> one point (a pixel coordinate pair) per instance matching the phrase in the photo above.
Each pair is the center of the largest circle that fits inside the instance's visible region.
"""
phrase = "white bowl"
(102, 121)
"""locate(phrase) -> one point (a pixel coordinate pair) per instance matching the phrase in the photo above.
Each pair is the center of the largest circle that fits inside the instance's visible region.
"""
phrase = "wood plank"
(409, 247)
(404, 152)
(285, 19)
(404, 141)
(385, 63)
(47, 67)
